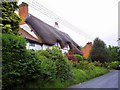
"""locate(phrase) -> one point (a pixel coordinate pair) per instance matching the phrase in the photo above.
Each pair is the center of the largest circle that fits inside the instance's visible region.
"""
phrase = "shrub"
(82, 65)
(98, 63)
(79, 57)
(115, 54)
(47, 69)
(84, 75)
(79, 75)
(55, 55)
(72, 57)
(113, 64)
(13, 50)
(106, 64)
(18, 65)
(90, 66)
(22, 67)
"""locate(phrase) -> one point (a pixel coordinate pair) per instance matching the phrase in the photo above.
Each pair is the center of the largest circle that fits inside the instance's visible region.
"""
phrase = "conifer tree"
(99, 51)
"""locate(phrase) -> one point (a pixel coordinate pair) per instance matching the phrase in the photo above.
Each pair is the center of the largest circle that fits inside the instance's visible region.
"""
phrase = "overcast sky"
(98, 18)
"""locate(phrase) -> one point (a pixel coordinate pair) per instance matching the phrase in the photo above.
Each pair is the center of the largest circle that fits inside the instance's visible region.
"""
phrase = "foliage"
(46, 68)
(99, 51)
(79, 77)
(82, 65)
(115, 55)
(22, 67)
(18, 65)
(71, 57)
(10, 20)
(85, 65)
(113, 65)
(79, 57)
(62, 68)
(84, 75)
(98, 63)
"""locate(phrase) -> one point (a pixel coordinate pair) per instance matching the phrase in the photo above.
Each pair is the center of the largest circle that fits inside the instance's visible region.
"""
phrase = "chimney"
(23, 12)
(56, 25)
(86, 50)
(89, 43)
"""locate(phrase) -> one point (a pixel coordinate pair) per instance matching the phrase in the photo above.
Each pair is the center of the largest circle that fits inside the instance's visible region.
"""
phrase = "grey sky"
(98, 18)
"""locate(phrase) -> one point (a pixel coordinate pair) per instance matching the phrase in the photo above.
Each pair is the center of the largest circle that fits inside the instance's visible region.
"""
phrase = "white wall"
(36, 47)
(44, 47)
(57, 44)
(65, 49)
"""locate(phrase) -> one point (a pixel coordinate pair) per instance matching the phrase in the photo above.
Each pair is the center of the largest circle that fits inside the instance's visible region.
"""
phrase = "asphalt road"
(109, 80)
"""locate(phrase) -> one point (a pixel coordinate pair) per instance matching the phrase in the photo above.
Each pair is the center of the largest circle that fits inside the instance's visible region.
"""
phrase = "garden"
(22, 68)
(42, 69)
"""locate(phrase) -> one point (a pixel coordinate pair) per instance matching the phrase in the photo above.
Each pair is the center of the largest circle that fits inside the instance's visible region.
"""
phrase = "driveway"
(109, 80)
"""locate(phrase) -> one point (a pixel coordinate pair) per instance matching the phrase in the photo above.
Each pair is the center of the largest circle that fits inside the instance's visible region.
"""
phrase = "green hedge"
(113, 65)
(19, 65)
(46, 68)
(27, 69)
(58, 66)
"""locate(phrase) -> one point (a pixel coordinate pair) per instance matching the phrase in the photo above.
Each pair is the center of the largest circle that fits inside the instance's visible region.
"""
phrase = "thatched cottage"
(40, 35)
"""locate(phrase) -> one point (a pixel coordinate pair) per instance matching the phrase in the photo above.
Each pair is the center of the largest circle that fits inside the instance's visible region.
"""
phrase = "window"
(32, 44)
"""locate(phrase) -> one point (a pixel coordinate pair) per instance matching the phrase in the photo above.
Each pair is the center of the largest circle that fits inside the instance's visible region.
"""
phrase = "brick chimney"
(86, 50)
(23, 11)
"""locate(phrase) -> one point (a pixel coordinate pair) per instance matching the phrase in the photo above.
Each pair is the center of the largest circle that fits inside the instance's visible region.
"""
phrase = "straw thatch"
(50, 35)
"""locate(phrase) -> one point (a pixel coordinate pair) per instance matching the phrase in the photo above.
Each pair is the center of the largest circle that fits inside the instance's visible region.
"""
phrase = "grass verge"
(79, 77)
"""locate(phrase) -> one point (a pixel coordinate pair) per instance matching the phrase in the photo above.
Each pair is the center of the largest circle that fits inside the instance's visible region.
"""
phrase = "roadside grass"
(79, 77)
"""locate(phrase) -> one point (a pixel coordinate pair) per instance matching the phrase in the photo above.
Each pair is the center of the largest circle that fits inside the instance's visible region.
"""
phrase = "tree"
(99, 51)
(10, 20)
(115, 55)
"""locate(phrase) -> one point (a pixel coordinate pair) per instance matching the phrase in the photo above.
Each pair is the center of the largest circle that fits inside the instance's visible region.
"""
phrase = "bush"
(47, 69)
(113, 64)
(81, 65)
(72, 57)
(27, 69)
(23, 67)
(18, 65)
(79, 75)
(115, 54)
(79, 57)
(98, 63)
(62, 68)
(84, 75)
(13, 50)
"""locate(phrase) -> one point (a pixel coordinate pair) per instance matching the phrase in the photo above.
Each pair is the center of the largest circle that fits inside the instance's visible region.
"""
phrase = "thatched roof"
(28, 36)
(50, 35)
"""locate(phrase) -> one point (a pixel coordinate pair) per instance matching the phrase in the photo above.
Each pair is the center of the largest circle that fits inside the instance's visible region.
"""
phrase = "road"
(109, 80)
